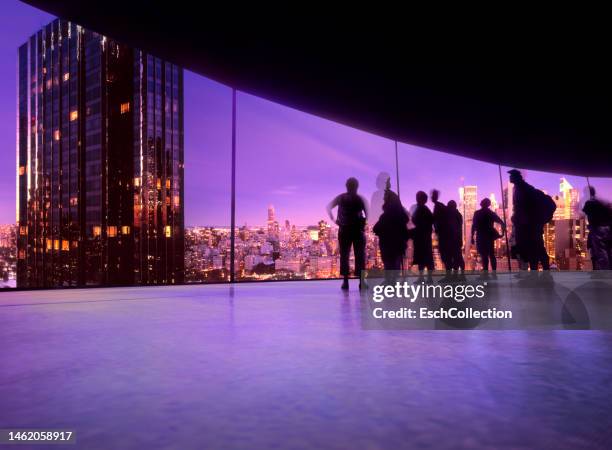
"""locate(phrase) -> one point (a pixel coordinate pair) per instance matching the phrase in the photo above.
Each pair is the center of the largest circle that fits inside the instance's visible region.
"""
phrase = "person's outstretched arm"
(331, 206)
(498, 220)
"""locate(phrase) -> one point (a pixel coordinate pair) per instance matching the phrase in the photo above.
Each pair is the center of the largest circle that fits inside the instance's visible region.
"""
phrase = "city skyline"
(281, 250)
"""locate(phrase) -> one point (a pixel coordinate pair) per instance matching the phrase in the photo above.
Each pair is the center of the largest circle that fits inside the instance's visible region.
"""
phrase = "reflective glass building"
(99, 162)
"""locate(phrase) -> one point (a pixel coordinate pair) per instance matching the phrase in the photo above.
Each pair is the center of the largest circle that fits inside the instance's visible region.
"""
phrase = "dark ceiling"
(498, 93)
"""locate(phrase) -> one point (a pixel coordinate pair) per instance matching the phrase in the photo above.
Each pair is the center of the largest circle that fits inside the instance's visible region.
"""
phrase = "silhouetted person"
(421, 235)
(351, 220)
(441, 226)
(392, 231)
(483, 226)
(378, 197)
(599, 215)
(455, 237)
(532, 210)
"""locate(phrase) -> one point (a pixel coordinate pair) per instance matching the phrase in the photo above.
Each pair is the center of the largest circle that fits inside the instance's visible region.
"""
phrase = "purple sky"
(287, 158)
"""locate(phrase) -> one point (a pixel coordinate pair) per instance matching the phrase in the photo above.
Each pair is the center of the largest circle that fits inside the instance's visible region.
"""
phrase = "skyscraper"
(99, 162)
(273, 227)
(570, 199)
(468, 199)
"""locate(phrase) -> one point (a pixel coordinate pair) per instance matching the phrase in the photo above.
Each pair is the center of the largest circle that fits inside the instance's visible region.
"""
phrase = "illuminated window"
(56, 135)
(96, 230)
(158, 183)
(75, 244)
(23, 230)
(66, 76)
(168, 231)
(112, 231)
(56, 244)
(177, 200)
(74, 115)
(21, 254)
(49, 244)
(168, 183)
(125, 108)
(49, 83)
(65, 246)
(21, 170)
(137, 181)
(125, 229)
(74, 201)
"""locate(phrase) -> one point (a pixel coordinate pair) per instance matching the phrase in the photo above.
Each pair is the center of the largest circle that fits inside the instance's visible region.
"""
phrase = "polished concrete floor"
(288, 366)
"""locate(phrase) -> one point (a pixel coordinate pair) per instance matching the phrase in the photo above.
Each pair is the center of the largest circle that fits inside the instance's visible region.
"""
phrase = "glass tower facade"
(99, 162)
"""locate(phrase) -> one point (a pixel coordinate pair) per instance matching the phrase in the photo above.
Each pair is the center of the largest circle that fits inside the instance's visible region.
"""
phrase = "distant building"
(100, 162)
(273, 226)
(8, 255)
(494, 204)
(468, 201)
(570, 244)
(567, 202)
(313, 232)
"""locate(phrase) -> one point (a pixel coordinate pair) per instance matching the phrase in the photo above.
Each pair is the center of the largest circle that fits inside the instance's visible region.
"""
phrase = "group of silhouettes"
(396, 226)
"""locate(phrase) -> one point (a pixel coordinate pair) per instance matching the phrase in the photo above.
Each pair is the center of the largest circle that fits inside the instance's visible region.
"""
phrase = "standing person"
(378, 196)
(532, 210)
(392, 230)
(599, 215)
(455, 237)
(351, 220)
(483, 226)
(421, 235)
(441, 226)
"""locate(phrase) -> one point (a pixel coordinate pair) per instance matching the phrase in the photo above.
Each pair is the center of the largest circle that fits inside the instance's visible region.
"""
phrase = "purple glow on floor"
(287, 365)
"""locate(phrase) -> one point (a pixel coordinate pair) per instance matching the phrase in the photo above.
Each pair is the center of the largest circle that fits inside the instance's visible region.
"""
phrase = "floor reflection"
(288, 365)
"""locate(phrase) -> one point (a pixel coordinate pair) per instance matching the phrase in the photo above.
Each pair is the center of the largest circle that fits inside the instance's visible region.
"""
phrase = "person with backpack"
(483, 226)
(532, 210)
(599, 215)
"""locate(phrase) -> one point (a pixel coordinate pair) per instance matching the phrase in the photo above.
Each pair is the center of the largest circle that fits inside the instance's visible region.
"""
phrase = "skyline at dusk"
(292, 160)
